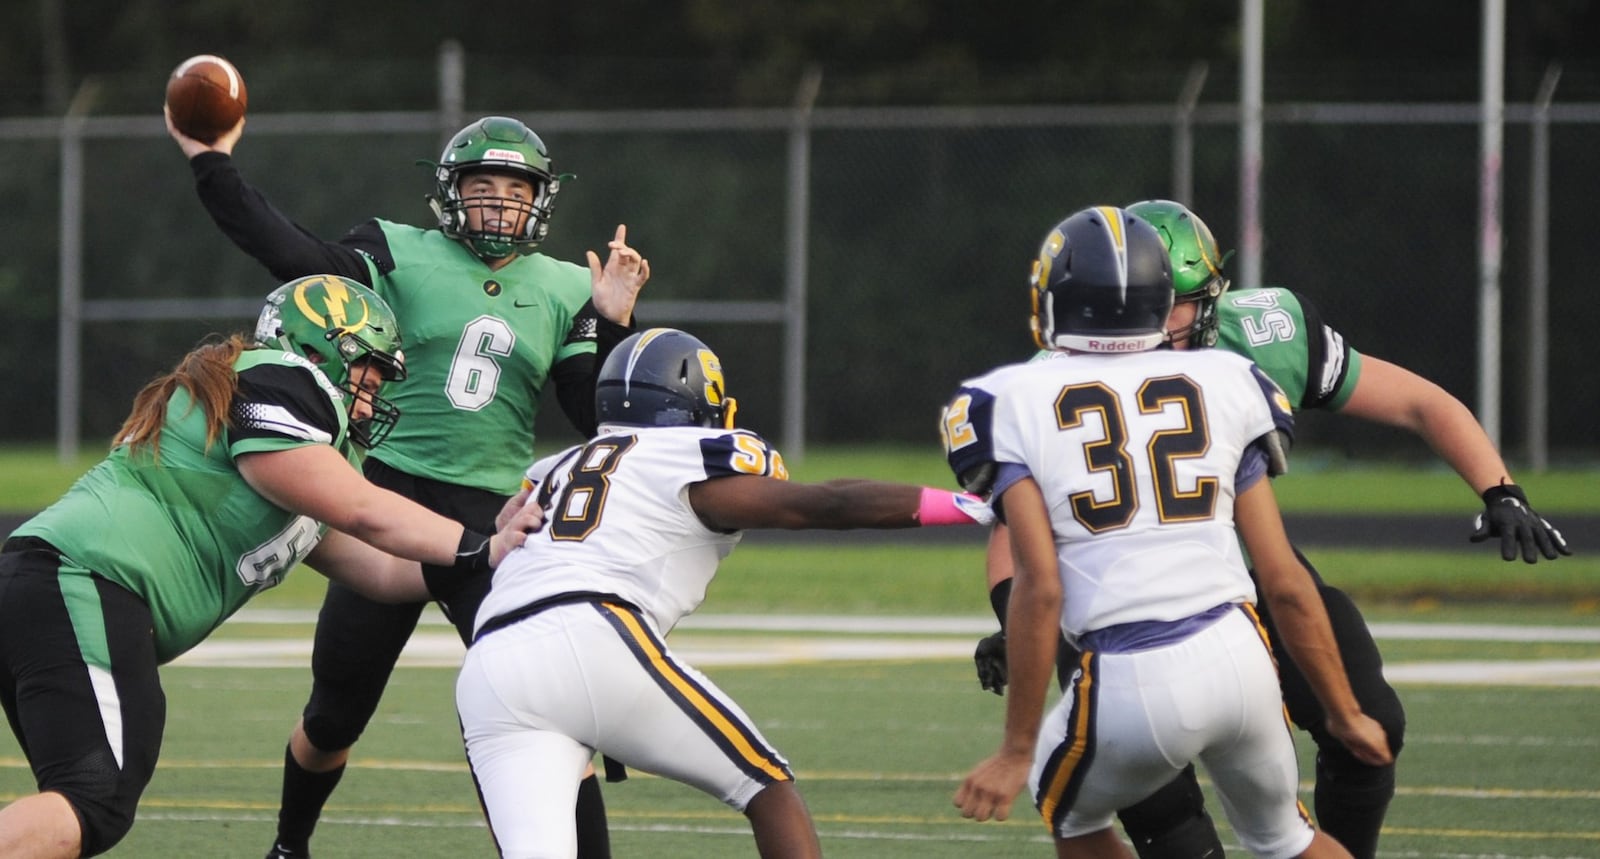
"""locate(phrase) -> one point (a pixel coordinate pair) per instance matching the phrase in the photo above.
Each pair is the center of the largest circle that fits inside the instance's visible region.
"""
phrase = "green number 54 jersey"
(1284, 334)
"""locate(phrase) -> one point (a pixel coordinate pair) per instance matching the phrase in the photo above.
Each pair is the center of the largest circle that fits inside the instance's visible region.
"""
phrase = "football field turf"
(1502, 754)
(880, 718)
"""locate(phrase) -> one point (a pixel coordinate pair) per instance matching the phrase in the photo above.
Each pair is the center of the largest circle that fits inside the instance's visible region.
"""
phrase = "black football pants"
(358, 640)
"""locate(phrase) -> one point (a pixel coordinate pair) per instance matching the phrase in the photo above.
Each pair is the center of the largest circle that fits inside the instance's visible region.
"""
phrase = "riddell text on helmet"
(504, 155)
(1115, 346)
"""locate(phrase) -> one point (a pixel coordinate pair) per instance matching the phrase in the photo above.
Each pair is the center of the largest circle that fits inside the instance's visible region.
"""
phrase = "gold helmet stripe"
(1112, 216)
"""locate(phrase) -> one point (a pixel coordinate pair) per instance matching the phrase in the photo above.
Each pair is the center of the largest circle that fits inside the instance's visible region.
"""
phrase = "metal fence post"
(1537, 426)
(1250, 121)
(797, 216)
(1491, 151)
(1183, 135)
(452, 88)
(796, 126)
(69, 325)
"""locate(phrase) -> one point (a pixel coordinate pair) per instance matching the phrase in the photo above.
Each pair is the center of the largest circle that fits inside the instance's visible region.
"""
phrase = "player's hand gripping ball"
(206, 97)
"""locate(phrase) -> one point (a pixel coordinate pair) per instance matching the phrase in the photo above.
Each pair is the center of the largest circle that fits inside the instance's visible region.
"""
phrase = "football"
(206, 96)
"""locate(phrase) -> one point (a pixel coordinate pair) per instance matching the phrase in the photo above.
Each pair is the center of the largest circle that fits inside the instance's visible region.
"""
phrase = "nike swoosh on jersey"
(515, 303)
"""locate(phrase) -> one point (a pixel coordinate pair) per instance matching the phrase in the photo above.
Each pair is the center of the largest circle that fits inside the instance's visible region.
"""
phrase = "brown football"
(206, 96)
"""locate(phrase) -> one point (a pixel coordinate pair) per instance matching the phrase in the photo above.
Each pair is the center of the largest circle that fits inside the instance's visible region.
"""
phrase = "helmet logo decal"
(712, 368)
(663, 377)
(336, 300)
(1119, 242)
(1047, 252)
(1043, 319)
(504, 155)
(1201, 240)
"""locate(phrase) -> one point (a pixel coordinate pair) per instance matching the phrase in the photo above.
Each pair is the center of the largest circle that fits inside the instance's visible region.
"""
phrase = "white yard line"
(823, 638)
(983, 625)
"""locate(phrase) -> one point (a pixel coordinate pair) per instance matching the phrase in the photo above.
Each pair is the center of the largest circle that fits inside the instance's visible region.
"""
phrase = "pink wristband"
(939, 507)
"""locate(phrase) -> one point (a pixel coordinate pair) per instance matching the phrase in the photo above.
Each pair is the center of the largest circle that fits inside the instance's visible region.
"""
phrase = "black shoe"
(279, 851)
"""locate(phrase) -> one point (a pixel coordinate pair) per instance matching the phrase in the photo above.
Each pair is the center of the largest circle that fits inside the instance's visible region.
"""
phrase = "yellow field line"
(340, 813)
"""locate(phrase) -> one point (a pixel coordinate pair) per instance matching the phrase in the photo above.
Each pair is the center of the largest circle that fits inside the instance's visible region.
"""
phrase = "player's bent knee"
(778, 794)
(104, 816)
(103, 793)
(330, 733)
(777, 806)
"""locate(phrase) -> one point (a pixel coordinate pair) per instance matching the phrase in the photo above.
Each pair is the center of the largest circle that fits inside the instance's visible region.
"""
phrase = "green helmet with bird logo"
(338, 324)
(1196, 263)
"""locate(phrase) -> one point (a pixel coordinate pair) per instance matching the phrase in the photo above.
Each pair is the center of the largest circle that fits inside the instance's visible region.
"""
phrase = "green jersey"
(183, 530)
(1282, 332)
(479, 345)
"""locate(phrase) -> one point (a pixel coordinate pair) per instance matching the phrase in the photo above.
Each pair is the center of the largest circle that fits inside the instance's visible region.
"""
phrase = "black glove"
(1506, 515)
(990, 658)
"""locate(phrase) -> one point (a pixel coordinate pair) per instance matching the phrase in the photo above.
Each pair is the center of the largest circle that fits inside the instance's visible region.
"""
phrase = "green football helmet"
(1196, 264)
(503, 145)
(337, 323)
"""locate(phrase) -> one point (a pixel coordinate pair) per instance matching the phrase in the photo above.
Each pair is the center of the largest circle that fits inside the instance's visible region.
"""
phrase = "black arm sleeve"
(287, 249)
(575, 377)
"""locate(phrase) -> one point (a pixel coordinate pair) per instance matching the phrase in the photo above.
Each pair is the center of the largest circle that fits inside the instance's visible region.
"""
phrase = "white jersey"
(618, 521)
(1136, 456)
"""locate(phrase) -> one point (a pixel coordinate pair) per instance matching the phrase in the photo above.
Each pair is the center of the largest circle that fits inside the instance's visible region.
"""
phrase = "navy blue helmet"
(1102, 283)
(663, 377)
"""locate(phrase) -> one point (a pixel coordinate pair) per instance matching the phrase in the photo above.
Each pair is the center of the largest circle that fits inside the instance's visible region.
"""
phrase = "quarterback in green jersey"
(229, 471)
(490, 323)
(1282, 332)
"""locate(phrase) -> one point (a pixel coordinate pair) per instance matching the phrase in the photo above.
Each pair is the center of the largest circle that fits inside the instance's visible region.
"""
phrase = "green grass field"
(879, 747)
(1505, 769)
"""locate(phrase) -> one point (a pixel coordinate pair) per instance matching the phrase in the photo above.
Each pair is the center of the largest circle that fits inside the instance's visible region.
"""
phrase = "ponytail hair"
(207, 374)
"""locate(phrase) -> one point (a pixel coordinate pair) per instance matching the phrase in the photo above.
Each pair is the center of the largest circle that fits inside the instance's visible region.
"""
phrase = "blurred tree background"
(917, 257)
(727, 53)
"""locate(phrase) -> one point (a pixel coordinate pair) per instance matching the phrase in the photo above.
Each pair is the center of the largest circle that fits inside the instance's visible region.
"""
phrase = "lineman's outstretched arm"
(338, 495)
(1390, 394)
(748, 501)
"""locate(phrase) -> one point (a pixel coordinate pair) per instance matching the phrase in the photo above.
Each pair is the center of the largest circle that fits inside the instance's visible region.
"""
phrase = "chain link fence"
(903, 235)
